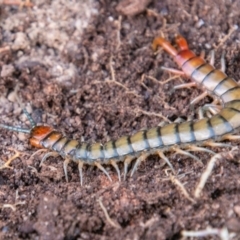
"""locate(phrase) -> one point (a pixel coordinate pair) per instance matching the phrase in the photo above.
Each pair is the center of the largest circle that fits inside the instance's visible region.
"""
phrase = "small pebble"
(7, 70)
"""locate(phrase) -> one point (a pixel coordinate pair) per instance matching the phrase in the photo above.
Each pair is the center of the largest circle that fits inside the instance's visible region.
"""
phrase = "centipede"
(180, 137)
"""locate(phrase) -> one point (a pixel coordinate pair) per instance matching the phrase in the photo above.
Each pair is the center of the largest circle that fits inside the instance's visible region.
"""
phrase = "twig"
(111, 222)
(138, 110)
(175, 181)
(113, 80)
(13, 206)
(226, 37)
(209, 169)
(164, 82)
(222, 233)
(8, 162)
(119, 23)
(206, 175)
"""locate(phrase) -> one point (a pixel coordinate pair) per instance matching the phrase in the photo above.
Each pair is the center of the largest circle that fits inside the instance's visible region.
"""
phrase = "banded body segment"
(220, 125)
(200, 73)
(203, 130)
(233, 104)
(170, 134)
(232, 116)
(192, 64)
(185, 56)
(223, 86)
(154, 137)
(186, 134)
(81, 152)
(139, 141)
(212, 79)
(110, 150)
(69, 148)
(59, 145)
(51, 139)
(231, 94)
(123, 146)
(96, 152)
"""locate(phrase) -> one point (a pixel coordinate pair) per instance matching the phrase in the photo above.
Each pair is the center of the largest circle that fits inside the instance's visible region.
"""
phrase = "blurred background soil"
(87, 68)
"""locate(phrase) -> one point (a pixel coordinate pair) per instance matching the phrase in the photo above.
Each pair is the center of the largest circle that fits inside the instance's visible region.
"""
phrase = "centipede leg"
(216, 144)
(198, 99)
(137, 163)
(65, 164)
(185, 85)
(200, 113)
(223, 63)
(180, 151)
(103, 170)
(80, 167)
(173, 70)
(50, 154)
(231, 137)
(179, 120)
(127, 161)
(211, 108)
(202, 54)
(222, 60)
(212, 57)
(114, 164)
(162, 156)
(199, 149)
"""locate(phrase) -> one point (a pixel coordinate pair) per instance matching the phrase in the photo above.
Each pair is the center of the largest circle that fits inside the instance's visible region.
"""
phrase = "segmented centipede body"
(179, 137)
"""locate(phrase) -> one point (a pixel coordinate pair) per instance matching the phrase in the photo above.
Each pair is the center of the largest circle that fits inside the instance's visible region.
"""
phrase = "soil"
(87, 68)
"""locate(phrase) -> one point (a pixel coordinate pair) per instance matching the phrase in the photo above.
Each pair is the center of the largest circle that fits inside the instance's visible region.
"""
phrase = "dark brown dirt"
(61, 54)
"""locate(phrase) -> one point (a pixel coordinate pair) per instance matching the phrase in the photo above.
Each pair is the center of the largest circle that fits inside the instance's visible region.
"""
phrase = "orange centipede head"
(38, 133)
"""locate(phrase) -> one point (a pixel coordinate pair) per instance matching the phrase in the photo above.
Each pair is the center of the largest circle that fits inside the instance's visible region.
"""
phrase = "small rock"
(7, 70)
(21, 41)
(132, 7)
(237, 210)
(12, 96)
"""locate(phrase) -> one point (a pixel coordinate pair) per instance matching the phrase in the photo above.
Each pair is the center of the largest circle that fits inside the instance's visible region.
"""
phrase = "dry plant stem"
(164, 82)
(225, 38)
(119, 23)
(113, 80)
(208, 171)
(8, 162)
(151, 114)
(205, 175)
(37, 152)
(222, 233)
(13, 206)
(110, 221)
(180, 186)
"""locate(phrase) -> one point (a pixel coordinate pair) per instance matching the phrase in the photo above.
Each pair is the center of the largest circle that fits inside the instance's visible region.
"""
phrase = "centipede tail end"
(181, 42)
(159, 41)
